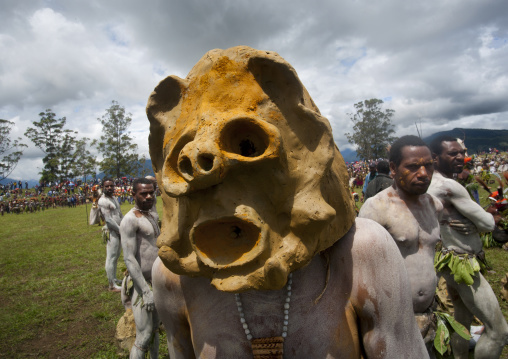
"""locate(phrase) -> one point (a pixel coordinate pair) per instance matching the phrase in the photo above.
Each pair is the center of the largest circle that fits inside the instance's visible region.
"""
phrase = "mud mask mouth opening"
(227, 242)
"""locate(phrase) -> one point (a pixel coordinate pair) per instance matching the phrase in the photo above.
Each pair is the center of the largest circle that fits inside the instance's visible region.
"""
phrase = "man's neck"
(406, 197)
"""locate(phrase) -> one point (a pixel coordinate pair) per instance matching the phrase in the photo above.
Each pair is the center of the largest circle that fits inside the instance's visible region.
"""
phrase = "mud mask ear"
(162, 111)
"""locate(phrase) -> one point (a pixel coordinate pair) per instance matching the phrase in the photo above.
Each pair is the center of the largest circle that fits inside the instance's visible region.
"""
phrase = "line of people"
(426, 205)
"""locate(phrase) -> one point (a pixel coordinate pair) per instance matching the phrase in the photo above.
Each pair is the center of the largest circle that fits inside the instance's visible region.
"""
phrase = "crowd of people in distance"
(480, 170)
(18, 199)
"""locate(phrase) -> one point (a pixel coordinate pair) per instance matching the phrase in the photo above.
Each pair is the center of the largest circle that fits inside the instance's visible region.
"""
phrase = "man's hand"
(148, 301)
(464, 226)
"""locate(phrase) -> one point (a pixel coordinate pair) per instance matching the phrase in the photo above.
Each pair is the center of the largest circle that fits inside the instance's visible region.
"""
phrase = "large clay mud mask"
(252, 183)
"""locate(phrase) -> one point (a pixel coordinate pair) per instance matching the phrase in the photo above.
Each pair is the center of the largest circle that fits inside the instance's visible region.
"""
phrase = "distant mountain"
(476, 139)
(348, 155)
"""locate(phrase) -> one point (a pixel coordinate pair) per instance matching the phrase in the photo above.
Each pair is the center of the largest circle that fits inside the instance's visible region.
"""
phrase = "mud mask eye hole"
(244, 137)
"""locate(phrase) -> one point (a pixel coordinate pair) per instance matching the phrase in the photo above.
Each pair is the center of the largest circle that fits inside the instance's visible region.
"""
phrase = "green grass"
(53, 287)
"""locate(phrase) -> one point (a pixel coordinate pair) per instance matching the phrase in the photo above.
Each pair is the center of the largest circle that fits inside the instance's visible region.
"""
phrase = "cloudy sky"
(443, 63)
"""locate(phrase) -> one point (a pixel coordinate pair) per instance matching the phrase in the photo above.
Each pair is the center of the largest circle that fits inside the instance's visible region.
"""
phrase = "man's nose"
(422, 172)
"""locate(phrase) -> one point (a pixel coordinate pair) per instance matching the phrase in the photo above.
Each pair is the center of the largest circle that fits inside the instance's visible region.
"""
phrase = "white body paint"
(113, 216)
(478, 299)
(366, 304)
(415, 229)
(140, 252)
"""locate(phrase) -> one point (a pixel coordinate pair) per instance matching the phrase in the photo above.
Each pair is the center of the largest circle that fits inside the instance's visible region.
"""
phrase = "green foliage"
(446, 325)
(489, 241)
(461, 266)
(116, 145)
(372, 129)
(10, 150)
(49, 136)
(83, 162)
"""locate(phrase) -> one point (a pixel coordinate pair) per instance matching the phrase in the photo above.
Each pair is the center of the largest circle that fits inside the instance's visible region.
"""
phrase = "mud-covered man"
(471, 294)
(110, 209)
(411, 216)
(261, 251)
(139, 230)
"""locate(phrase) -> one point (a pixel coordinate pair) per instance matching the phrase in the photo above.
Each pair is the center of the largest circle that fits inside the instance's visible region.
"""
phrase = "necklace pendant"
(268, 348)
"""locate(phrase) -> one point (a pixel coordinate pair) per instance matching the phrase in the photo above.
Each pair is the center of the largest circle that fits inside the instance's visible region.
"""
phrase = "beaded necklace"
(270, 347)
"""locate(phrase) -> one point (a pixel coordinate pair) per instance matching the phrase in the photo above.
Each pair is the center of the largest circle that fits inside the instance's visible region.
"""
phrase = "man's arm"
(382, 296)
(459, 198)
(365, 183)
(371, 210)
(107, 211)
(128, 229)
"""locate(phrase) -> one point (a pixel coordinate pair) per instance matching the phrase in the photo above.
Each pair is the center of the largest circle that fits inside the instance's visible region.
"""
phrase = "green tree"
(372, 129)
(143, 171)
(119, 152)
(47, 136)
(10, 150)
(83, 162)
(66, 154)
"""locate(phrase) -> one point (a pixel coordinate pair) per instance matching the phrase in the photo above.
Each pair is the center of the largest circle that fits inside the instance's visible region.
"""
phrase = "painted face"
(144, 196)
(414, 173)
(451, 159)
(252, 183)
(109, 188)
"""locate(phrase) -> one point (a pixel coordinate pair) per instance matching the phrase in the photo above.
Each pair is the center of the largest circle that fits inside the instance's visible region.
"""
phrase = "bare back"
(415, 229)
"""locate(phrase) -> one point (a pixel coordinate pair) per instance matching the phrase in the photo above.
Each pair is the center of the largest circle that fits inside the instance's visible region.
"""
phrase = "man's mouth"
(228, 241)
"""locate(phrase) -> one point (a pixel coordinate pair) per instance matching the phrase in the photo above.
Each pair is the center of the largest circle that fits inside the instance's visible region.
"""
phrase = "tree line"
(67, 156)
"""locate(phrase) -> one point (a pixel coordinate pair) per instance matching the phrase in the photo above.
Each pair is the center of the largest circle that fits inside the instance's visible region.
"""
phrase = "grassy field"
(53, 287)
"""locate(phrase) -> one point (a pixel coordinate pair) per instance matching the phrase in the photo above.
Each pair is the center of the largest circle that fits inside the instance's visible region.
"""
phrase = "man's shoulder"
(366, 241)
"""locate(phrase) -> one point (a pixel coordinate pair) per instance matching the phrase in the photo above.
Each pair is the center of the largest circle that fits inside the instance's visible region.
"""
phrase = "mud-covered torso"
(110, 207)
(365, 302)
(444, 189)
(146, 238)
(309, 335)
(415, 229)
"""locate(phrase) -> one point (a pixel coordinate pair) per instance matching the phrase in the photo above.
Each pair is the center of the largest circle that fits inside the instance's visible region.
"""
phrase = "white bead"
(247, 331)
(288, 300)
(242, 315)
(283, 335)
(286, 322)
(286, 306)
(285, 328)
(286, 311)
(286, 317)
(245, 326)
(242, 320)
(288, 287)
(249, 336)
(289, 293)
